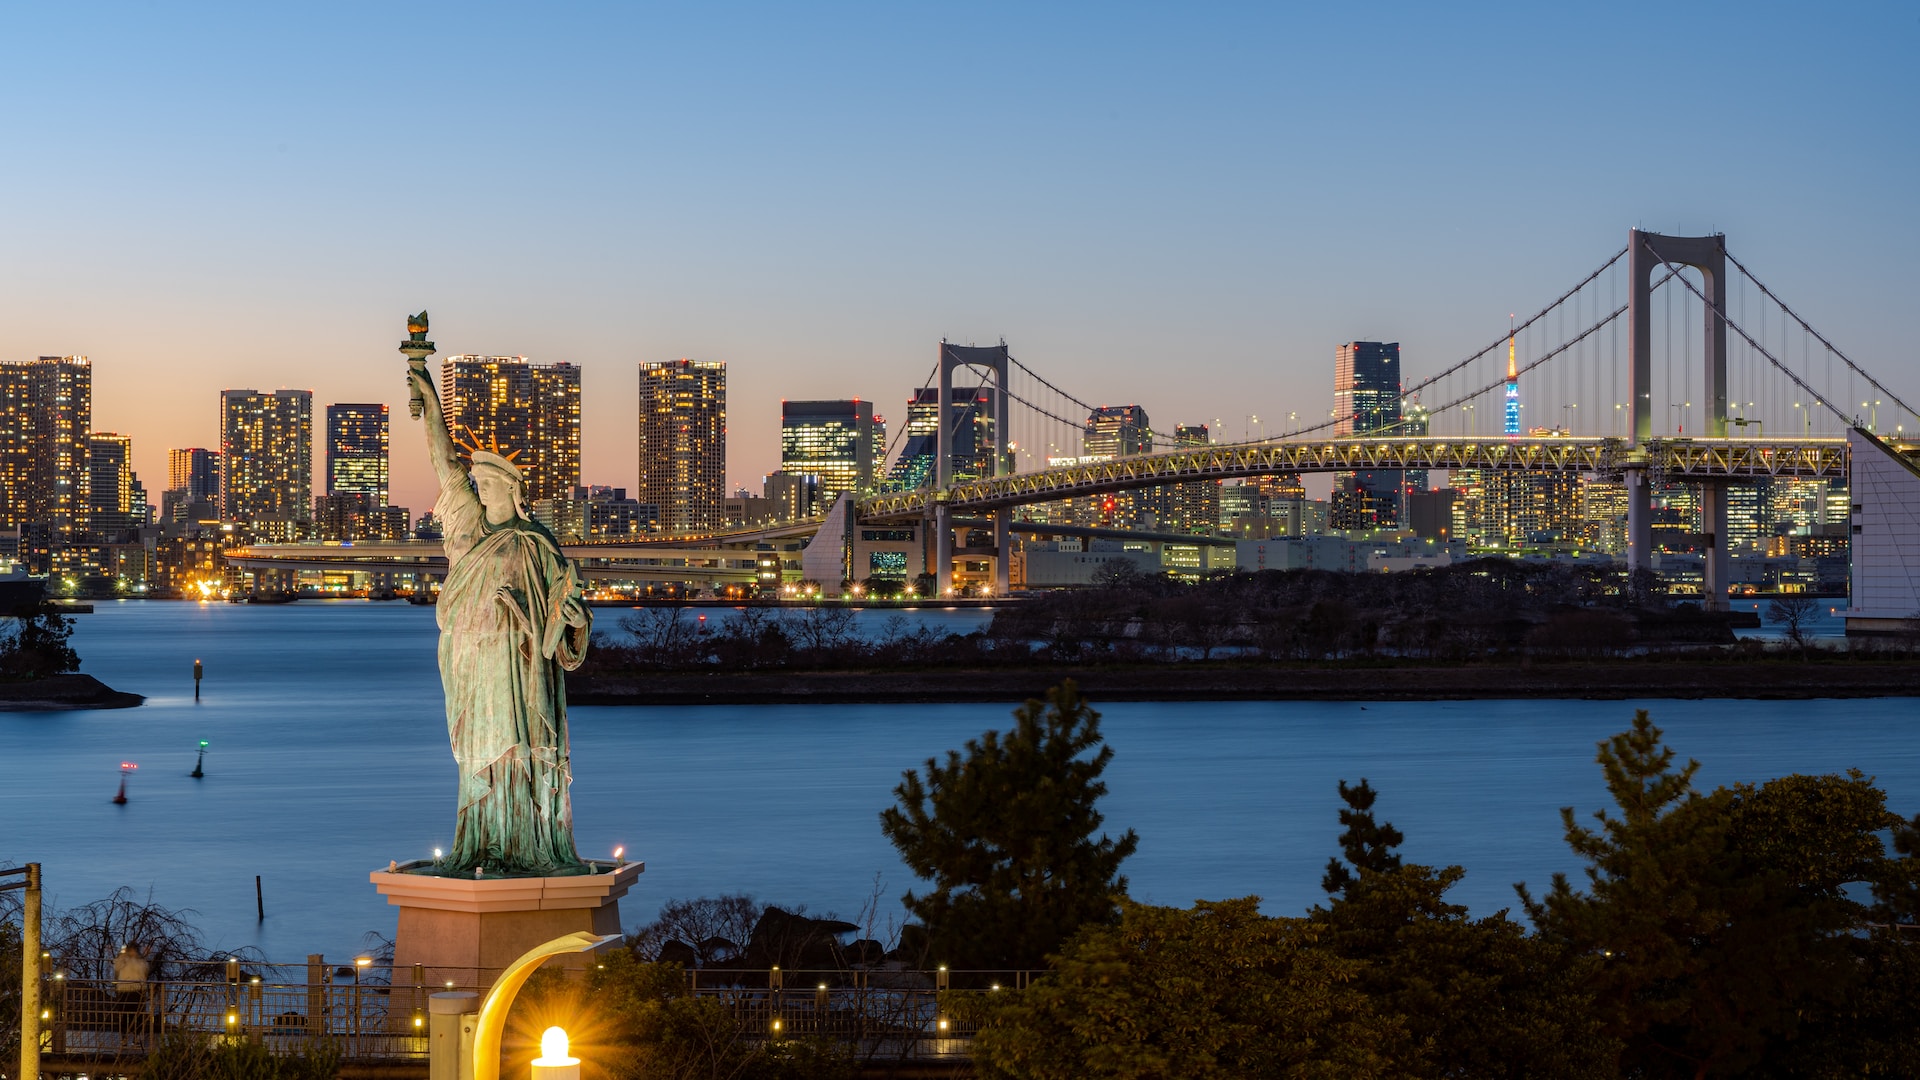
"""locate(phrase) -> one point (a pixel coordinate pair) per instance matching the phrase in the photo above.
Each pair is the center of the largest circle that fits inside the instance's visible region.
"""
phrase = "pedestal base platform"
(465, 931)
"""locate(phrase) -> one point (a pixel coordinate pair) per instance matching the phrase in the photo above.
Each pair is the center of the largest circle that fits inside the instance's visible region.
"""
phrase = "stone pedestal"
(464, 931)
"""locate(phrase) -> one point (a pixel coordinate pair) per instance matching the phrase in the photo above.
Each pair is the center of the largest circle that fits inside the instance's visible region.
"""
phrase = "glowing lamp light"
(618, 855)
(554, 1063)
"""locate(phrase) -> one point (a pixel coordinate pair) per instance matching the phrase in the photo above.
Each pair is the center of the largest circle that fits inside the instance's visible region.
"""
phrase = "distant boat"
(272, 597)
(423, 596)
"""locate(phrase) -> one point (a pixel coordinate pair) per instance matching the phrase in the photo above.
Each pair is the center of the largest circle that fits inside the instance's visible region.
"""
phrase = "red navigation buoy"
(125, 768)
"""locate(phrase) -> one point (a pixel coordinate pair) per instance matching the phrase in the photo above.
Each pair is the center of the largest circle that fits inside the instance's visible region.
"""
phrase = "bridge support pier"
(1639, 520)
(1713, 522)
(943, 550)
(1003, 551)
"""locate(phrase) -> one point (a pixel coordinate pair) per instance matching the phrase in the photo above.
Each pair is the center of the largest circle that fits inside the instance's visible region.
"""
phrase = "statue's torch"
(416, 349)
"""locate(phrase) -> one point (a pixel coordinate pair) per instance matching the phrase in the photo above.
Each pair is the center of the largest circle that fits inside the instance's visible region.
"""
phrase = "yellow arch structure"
(493, 1012)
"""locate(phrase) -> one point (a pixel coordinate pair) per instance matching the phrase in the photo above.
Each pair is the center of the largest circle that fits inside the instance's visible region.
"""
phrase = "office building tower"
(266, 456)
(833, 440)
(110, 498)
(1366, 401)
(1115, 431)
(531, 411)
(357, 451)
(969, 428)
(1193, 506)
(683, 442)
(789, 496)
(193, 485)
(46, 415)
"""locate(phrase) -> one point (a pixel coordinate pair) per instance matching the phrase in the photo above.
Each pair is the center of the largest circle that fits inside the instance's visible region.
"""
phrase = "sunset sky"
(1183, 206)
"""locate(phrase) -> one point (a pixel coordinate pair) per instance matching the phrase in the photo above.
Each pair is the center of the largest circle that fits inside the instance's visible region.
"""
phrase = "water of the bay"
(328, 757)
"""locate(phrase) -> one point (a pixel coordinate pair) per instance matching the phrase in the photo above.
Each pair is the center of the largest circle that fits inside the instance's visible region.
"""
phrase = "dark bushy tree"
(1008, 835)
(1472, 997)
(34, 644)
(1218, 992)
(1719, 919)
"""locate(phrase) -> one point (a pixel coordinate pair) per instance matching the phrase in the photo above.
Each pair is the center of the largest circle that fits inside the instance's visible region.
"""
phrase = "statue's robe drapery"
(504, 645)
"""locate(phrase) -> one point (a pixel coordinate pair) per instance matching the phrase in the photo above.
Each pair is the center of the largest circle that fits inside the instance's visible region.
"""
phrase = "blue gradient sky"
(1181, 206)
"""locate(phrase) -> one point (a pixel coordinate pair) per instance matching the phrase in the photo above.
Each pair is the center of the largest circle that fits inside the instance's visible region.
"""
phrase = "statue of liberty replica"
(513, 619)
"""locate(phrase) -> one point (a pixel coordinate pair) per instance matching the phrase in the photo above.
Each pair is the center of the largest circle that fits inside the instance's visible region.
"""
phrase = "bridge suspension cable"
(1720, 314)
(1817, 335)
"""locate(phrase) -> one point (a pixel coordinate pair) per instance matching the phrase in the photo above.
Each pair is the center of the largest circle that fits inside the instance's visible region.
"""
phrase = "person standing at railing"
(130, 972)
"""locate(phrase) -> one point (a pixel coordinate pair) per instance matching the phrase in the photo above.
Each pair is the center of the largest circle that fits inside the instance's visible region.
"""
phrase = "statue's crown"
(489, 453)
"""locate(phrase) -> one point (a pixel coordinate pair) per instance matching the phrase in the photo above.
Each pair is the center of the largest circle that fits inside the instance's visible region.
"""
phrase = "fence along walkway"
(878, 1014)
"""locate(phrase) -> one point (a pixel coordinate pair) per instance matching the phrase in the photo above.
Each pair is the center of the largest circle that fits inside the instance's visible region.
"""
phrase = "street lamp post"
(30, 967)
(1566, 423)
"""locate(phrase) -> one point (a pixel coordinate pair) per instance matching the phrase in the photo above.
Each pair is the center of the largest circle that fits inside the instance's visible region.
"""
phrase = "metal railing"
(375, 1013)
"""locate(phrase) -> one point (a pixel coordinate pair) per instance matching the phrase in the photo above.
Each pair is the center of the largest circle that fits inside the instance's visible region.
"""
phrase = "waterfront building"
(531, 411)
(354, 515)
(111, 484)
(1518, 509)
(836, 441)
(266, 456)
(357, 451)
(193, 485)
(46, 418)
(969, 421)
(1366, 401)
(1603, 515)
(683, 442)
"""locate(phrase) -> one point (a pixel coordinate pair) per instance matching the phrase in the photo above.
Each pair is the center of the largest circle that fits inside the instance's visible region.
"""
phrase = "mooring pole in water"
(200, 763)
(198, 671)
(259, 901)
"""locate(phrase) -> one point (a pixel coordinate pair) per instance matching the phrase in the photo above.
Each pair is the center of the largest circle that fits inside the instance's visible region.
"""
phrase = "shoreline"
(1763, 680)
(59, 692)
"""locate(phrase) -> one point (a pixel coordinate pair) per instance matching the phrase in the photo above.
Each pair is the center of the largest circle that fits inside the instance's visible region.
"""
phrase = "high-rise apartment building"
(1115, 431)
(1366, 401)
(833, 440)
(531, 411)
(46, 415)
(110, 496)
(970, 437)
(266, 454)
(683, 442)
(357, 451)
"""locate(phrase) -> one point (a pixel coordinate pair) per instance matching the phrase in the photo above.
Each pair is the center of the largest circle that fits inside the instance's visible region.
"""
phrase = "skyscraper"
(46, 414)
(266, 453)
(683, 442)
(357, 451)
(193, 485)
(1193, 506)
(1117, 431)
(833, 440)
(529, 410)
(110, 498)
(969, 420)
(1366, 401)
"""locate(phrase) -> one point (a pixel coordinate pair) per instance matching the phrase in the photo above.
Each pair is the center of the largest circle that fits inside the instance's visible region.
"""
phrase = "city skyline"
(1161, 195)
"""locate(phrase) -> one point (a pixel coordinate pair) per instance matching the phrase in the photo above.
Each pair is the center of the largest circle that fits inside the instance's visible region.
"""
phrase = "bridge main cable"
(1818, 336)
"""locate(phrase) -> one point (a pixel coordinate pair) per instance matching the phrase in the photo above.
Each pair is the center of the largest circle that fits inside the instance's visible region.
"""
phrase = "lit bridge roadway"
(732, 556)
(1677, 458)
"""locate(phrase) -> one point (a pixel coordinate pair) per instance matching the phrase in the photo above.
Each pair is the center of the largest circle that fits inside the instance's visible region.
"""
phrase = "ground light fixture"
(493, 1010)
(554, 1063)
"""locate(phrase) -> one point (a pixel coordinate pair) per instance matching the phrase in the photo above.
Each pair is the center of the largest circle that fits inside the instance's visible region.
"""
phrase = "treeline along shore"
(1488, 629)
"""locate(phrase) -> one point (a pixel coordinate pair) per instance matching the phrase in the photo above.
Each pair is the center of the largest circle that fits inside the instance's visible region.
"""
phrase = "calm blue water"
(329, 758)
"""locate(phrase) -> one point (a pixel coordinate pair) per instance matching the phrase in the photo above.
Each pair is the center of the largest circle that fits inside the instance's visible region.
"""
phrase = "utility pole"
(29, 967)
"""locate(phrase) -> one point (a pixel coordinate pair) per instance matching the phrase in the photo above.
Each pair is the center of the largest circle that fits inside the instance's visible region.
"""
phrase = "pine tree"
(1367, 846)
(1006, 834)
